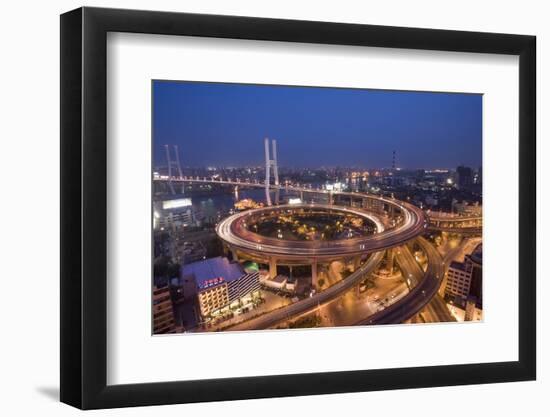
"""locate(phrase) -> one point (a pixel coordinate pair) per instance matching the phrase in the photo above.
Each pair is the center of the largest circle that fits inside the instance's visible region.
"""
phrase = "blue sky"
(224, 124)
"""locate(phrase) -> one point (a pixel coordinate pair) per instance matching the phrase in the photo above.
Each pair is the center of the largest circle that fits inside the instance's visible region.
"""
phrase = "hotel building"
(220, 283)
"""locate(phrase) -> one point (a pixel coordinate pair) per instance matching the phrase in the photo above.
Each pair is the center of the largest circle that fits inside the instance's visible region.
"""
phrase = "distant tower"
(465, 177)
(393, 161)
(269, 163)
(173, 164)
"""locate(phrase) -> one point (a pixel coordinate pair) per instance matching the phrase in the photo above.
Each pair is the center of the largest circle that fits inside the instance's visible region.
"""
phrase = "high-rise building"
(478, 176)
(174, 211)
(464, 177)
(464, 279)
(459, 277)
(476, 259)
(163, 311)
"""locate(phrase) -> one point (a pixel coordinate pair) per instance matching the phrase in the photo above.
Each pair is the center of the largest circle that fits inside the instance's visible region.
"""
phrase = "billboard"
(176, 203)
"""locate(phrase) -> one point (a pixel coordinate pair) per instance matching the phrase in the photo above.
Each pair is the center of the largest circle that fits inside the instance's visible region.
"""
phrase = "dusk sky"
(225, 125)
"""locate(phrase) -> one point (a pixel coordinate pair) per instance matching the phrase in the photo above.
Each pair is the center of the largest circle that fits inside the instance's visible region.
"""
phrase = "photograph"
(292, 207)
(275, 208)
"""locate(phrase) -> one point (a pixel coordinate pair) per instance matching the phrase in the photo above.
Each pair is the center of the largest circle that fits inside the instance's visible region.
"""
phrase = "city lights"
(304, 230)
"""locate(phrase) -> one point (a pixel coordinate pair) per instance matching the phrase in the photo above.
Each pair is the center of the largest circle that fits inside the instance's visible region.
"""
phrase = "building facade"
(213, 298)
(459, 277)
(163, 312)
(464, 279)
(220, 283)
(173, 211)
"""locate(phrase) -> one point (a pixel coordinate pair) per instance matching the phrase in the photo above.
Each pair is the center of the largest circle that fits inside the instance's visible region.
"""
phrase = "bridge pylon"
(271, 162)
(174, 167)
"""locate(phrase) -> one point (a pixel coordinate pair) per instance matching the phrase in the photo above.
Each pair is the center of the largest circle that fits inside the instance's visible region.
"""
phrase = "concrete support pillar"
(390, 259)
(410, 282)
(443, 286)
(272, 267)
(235, 256)
(302, 196)
(314, 274)
(356, 263)
(444, 238)
(330, 198)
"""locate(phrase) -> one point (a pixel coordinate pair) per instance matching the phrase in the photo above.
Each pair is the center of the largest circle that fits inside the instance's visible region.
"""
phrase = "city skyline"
(254, 229)
(435, 130)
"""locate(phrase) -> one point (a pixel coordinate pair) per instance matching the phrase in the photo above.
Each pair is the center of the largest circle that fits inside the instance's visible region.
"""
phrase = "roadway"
(469, 231)
(232, 231)
(447, 217)
(414, 222)
(466, 246)
(436, 310)
(435, 217)
(466, 225)
(412, 303)
(411, 270)
(418, 297)
(396, 313)
(300, 307)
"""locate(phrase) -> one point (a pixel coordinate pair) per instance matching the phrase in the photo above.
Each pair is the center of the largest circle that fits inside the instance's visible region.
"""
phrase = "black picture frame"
(84, 207)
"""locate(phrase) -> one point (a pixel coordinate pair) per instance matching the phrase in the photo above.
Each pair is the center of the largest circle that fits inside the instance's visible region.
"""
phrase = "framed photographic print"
(257, 208)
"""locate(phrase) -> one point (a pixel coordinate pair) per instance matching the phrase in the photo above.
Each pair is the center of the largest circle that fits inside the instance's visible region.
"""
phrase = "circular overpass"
(239, 234)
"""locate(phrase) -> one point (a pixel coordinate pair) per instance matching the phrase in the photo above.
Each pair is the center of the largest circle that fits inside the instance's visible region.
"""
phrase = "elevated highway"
(303, 306)
(412, 303)
(465, 225)
(413, 224)
(436, 308)
(437, 311)
(232, 231)
(411, 270)
(418, 297)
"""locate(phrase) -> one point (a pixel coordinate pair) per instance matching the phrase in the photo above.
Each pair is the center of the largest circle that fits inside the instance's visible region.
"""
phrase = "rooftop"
(458, 265)
(279, 279)
(477, 254)
(212, 272)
